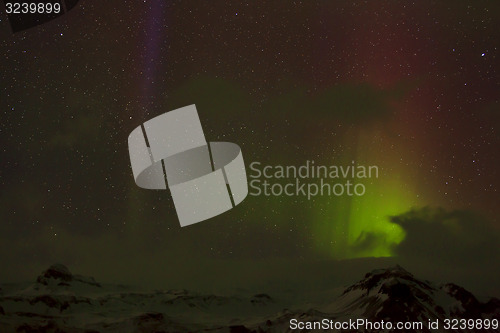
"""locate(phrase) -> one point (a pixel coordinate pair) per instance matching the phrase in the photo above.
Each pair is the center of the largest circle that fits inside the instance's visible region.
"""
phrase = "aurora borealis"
(411, 87)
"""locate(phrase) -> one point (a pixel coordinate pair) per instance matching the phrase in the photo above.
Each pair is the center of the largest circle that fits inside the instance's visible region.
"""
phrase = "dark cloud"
(454, 237)
(455, 245)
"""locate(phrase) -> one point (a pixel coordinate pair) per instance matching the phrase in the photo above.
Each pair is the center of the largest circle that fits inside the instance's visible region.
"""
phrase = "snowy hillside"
(62, 302)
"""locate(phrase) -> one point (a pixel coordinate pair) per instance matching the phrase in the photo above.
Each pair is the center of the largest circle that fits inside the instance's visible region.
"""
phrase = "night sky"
(413, 88)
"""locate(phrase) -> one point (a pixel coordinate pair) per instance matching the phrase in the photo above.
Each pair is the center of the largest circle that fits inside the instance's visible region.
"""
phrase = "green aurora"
(360, 226)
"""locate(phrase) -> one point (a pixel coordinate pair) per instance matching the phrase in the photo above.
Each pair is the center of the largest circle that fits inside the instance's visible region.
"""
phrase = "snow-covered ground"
(62, 302)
